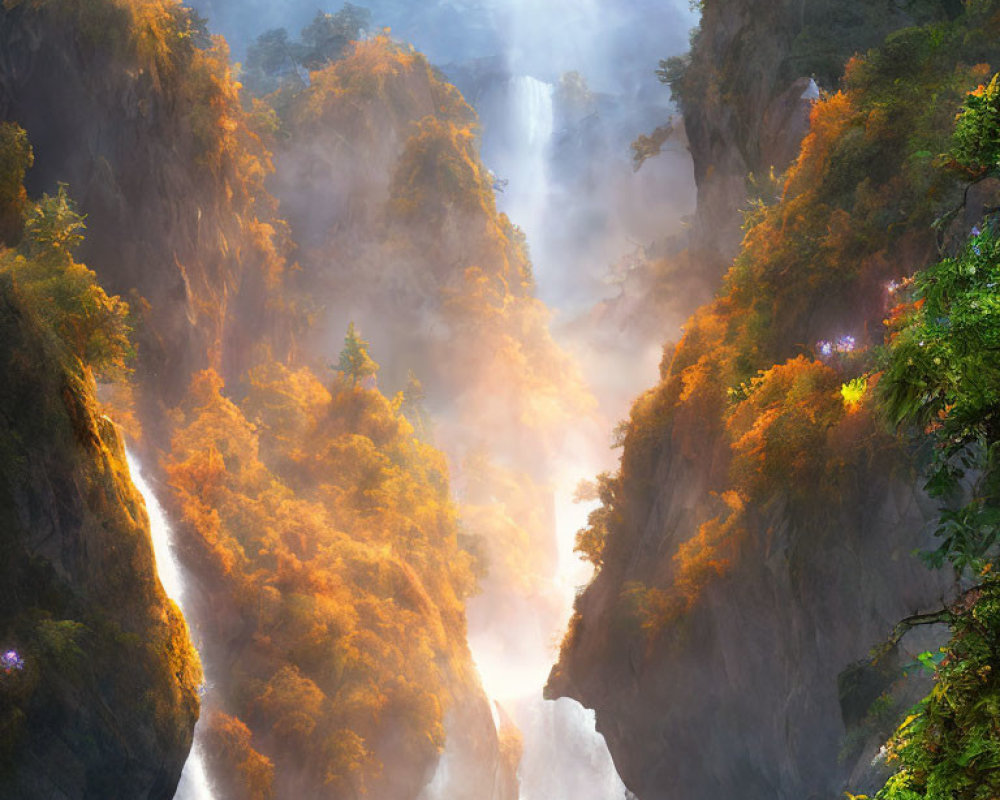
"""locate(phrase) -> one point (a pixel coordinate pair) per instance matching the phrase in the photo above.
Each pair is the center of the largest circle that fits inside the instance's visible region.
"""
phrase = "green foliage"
(976, 144)
(64, 294)
(60, 640)
(834, 31)
(591, 541)
(53, 228)
(685, 83)
(355, 363)
(949, 749)
(328, 35)
(276, 62)
(16, 158)
(942, 375)
(270, 60)
(762, 193)
(929, 661)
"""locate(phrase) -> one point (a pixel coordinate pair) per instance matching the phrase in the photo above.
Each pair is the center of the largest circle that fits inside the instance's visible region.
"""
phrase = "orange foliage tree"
(332, 525)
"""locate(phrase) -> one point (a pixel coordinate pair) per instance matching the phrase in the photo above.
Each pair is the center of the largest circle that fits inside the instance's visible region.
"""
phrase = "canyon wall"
(759, 540)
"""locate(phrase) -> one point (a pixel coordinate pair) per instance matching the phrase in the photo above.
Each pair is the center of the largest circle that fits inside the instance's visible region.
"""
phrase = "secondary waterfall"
(194, 783)
(521, 153)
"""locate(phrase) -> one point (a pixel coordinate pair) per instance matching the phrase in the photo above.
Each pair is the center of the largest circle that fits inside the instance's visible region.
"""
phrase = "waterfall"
(564, 756)
(531, 101)
(194, 783)
(520, 153)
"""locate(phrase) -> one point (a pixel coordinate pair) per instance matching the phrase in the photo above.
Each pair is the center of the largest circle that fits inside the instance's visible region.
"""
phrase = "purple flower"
(11, 662)
(845, 344)
(976, 231)
(825, 349)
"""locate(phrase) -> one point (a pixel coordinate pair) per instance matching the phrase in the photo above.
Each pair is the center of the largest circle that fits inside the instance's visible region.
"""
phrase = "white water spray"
(194, 783)
(522, 155)
(564, 757)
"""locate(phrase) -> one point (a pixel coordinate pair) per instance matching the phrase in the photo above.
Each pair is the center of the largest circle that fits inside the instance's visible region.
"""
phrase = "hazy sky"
(613, 42)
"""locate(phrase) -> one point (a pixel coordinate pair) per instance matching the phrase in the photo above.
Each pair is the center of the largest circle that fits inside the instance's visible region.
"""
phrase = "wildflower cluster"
(11, 662)
(843, 345)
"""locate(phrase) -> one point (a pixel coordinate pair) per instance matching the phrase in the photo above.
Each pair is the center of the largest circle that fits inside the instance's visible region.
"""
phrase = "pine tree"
(354, 359)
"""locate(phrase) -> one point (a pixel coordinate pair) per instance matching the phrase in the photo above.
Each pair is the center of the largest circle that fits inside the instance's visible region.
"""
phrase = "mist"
(523, 305)
(504, 434)
(560, 91)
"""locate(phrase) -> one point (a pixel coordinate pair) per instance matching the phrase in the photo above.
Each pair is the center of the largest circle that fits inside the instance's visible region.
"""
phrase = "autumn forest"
(499, 400)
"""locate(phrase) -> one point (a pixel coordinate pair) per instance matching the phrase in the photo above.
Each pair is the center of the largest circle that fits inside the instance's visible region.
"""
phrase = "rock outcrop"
(100, 698)
(740, 698)
(745, 95)
(136, 110)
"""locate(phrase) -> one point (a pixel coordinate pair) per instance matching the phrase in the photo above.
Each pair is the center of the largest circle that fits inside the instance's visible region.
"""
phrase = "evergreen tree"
(328, 35)
(354, 359)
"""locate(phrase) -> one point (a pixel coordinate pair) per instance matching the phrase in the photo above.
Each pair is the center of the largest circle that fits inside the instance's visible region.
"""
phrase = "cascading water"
(531, 100)
(521, 154)
(194, 783)
(564, 757)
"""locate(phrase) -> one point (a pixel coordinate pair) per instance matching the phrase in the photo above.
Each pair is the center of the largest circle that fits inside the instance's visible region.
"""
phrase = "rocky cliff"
(741, 698)
(98, 692)
(759, 539)
(134, 107)
(744, 92)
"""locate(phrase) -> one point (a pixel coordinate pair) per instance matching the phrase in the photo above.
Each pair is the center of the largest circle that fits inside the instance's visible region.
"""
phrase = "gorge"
(524, 401)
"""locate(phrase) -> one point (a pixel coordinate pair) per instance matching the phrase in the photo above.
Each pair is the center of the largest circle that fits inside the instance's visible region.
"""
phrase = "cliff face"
(758, 541)
(740, 698)
(135, 109)
(104, 701)
(743, 91)
(333, 601)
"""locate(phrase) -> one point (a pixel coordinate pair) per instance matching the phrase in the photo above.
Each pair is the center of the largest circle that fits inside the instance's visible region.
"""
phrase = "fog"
(561, 89)
(618, 42)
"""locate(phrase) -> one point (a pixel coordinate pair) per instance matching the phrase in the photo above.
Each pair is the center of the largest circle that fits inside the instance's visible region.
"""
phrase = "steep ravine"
(142, 117)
